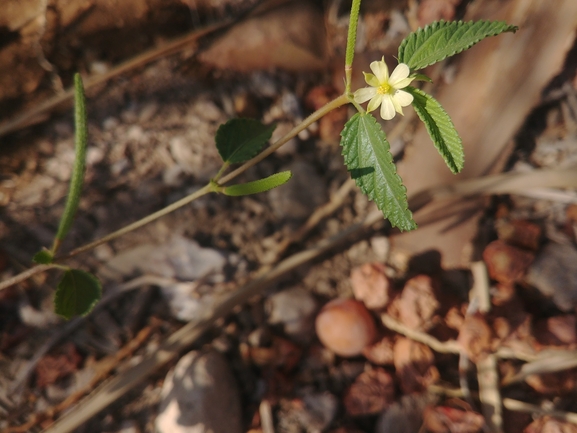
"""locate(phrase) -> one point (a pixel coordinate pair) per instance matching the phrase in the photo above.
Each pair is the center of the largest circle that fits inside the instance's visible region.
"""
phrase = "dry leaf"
(370, 285)
(288, 37)
(415, 367)
(372, 392)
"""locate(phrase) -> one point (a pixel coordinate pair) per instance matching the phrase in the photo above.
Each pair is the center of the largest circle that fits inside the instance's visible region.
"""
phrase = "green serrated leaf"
(260, 185)
(238, 140)
(368, 158)
(440, 127)
(76, 294)
(443, 39)
(77, 178)
(43, 257)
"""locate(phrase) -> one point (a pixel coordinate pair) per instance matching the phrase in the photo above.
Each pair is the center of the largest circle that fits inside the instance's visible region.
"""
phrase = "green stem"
(335, 103)
(351, 41)
(135, 225)
(22, 276)
(221, 171)
(213, 186)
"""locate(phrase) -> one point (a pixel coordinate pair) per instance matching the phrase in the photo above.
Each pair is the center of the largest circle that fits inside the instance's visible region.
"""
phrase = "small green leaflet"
(368, 158)
(238, 140)
(440, 127)
(443, 39)
(76, 294)
(43, 257)
(260, 185)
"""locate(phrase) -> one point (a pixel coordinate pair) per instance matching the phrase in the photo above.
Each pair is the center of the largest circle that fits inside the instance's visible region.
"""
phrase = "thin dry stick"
(450, 346)
(487, 375)
(521, 406)
(266, 420)
(547, 361)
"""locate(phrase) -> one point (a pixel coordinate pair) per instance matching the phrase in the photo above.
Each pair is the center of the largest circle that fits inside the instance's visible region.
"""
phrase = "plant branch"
(335, 103)
(135, 225)
(351, 42)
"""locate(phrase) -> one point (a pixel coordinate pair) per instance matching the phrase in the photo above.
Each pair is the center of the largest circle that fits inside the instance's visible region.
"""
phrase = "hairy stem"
(135, 225)
(351, 41)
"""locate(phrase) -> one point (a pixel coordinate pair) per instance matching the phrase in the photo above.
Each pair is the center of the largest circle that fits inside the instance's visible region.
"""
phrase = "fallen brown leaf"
(288, 37)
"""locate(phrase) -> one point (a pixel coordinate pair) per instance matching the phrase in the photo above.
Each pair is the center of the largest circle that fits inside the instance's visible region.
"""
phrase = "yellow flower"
(386, 91)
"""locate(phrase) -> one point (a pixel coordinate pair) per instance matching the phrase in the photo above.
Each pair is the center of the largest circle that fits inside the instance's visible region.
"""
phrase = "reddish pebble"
(345, 326)
(506, 263)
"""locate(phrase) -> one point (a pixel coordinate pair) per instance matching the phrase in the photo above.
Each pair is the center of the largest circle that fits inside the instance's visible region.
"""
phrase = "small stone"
(442, 419)
(318, 411)
(475, 337)
(372, 392)
(520, 233)
(406, 416)
(506, 263)
(345, 326)
(381, 247)
(415, 365)
(418, 304)
(554, 274)
(200, 396)
(148, 112)
(110, 123)
(381, 352)
(370, 285)
(552, 425)
(295, 309)
(556, 331)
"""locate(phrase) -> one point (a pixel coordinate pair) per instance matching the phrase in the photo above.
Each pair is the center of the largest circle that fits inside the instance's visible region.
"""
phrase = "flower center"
(384, 88)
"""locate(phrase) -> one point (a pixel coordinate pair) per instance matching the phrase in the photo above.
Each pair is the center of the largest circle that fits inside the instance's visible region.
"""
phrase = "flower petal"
(403, 98)
(387, 108)
(364, 94)
(371, 80)
(397, 106)
(375, 102)
(401, 72)
(401, 84)
(380, 70)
